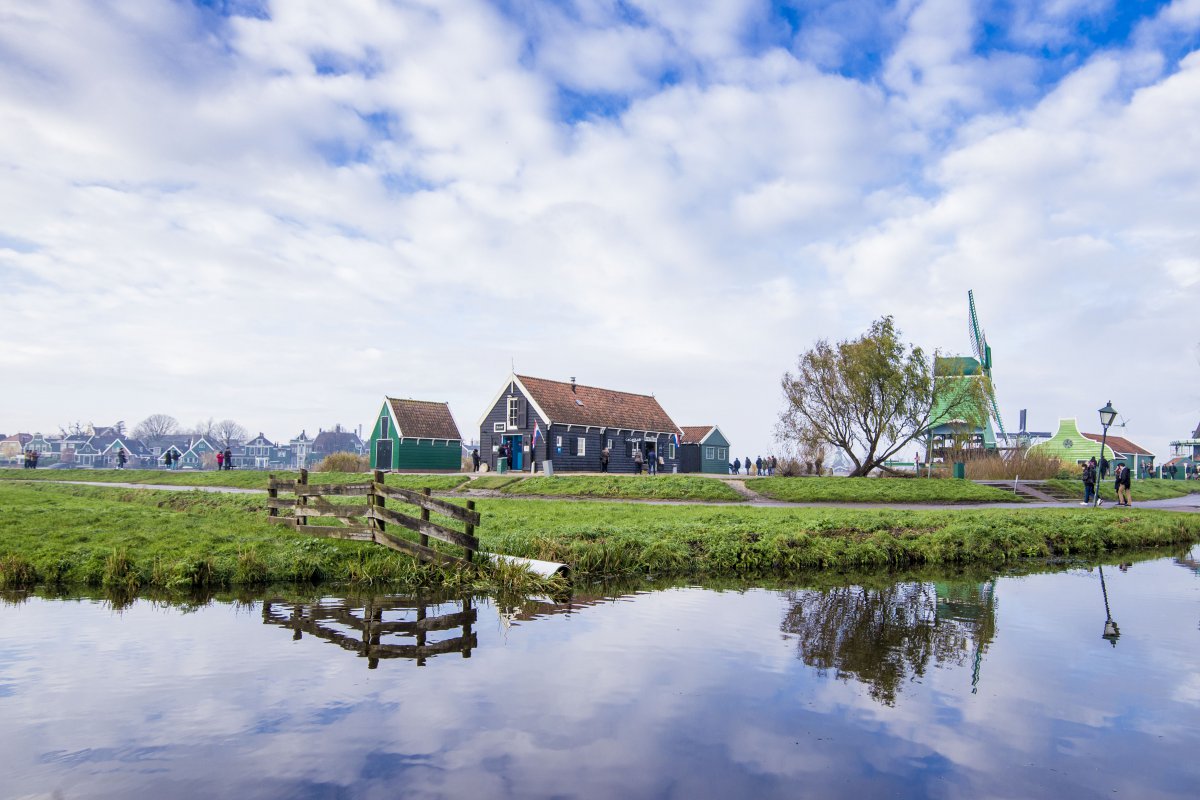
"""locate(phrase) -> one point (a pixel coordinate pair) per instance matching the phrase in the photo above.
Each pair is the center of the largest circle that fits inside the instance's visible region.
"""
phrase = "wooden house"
(195, 456)
(338, 440)
(569, 424)
(256, 453)
(1138, 459)
(12, 448)
(704, 449)
(417, 435)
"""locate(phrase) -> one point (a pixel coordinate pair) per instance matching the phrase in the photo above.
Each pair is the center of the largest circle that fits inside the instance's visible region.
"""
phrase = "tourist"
(220, 460)
(773, 466)
(228, 458)
(28, 460)
(1089, 482)
(35, 455)
(737, 467)
(1123, 486)
(475, 460)
(508, 456)
(651, 462)
(167, 459)
(121, 459)
(637, 461)
(758, 466)
(604, 454)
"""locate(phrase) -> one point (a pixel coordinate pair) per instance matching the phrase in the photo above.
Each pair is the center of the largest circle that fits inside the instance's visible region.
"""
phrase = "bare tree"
(155, 427)
(870, 396)
(204, 429)
(227, 432)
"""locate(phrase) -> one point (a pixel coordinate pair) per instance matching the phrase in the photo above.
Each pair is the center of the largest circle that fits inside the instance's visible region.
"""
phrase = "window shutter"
(523, 413)
(574, 445)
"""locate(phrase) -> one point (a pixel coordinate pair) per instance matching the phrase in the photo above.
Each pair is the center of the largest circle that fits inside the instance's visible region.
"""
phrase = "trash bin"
(501, 465)
(960, 470)
(547, 467)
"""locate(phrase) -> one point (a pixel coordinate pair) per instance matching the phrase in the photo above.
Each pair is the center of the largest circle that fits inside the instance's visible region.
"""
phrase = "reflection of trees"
(883, 637)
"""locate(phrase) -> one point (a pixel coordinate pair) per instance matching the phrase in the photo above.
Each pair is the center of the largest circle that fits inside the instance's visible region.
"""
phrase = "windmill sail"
(983, 353)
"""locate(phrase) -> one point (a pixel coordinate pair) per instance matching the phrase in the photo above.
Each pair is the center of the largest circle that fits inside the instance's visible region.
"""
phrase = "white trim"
(581, 445)
(387, 404)
(513, 380)
(499, 427)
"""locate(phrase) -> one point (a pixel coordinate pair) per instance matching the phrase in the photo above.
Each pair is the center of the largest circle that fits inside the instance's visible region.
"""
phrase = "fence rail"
(369, 522)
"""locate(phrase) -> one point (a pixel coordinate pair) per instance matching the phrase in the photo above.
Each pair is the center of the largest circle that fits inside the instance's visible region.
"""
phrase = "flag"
(675, 438)
(537, 432)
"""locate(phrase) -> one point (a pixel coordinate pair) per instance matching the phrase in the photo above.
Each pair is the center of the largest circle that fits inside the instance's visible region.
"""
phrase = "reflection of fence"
(370, 629)
(369, 522)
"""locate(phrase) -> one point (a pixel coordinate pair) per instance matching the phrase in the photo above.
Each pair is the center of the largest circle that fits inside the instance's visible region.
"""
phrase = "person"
(35, 455)
(737, 466)
(774, 466)
(508, 456)
(220, 460)
(475, 460)
(167, 459)
(1123, 486)
(28, 460)
(637, 461)
(228, 458)
(604, 459)
(758, 466)
(1089, 482)
(1103, 467)
(651, 462)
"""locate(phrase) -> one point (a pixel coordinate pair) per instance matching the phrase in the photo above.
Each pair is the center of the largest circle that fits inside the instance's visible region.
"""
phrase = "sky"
(280, 212)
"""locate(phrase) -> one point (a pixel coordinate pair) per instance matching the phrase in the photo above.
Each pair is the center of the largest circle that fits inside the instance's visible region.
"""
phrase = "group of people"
(31, 459)
(762, 466)
(225, 459)
(651, 460)
(1093, 473)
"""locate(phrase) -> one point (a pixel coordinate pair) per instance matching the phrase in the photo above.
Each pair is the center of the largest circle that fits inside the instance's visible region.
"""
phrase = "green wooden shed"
(704, 449)
(1072, 446)
(415, 435)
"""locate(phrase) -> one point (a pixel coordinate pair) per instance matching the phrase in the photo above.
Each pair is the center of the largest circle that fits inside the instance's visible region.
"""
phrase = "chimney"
(572, 384)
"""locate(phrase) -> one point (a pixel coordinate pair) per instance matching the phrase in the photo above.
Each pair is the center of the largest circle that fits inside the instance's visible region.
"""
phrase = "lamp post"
(1111, 631)
(1107, 415)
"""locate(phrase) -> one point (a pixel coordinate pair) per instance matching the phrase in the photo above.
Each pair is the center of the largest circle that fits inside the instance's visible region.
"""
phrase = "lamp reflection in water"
(1111, 631)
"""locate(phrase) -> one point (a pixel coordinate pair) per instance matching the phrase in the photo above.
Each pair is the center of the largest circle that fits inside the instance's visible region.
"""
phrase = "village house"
(415, 435)
(704, 449)
(569, 424)
(12, 448)
(338, 440)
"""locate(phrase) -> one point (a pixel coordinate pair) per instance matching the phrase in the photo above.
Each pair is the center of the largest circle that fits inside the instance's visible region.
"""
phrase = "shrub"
(343, 462)
(1029, 464)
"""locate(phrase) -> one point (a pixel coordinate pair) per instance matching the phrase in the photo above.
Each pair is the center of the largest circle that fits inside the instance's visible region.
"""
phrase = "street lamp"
(1111, 631)
(1108, 415)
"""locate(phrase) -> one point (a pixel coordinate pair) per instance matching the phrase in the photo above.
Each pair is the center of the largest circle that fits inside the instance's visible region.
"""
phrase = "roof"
(575, 404)
(1120, 444)
(1196, 433)
(22, 438)
(695, 434)
(424, 419)
(337, 442)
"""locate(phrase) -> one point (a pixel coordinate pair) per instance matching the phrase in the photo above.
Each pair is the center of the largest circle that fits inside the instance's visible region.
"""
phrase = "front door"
(383, 454)
(514, 442)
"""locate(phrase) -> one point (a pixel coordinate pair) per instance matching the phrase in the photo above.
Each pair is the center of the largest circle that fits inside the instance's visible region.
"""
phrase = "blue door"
(514, 442)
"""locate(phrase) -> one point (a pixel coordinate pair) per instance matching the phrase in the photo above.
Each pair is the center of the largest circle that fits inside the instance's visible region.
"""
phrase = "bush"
(343, 462)
(1028, 464)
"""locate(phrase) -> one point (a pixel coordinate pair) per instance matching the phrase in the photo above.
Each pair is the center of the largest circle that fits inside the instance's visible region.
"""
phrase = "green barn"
(415, 435)
(704, 449)
(1072, 446)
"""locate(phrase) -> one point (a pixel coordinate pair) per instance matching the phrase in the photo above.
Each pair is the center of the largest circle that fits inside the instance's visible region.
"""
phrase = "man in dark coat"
(1089, 482)
(228, 459)
(475, 460)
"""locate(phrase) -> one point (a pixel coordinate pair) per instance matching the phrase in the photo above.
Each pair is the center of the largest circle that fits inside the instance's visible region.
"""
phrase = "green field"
(626, 487)
(1150, 489)
(877, 490)
(240, 479)
(129, 539)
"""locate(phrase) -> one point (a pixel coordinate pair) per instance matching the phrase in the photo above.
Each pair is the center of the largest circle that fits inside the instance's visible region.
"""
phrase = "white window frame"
(582, 446)
(514, 412)
(558, 441)
(498, 427)
(710, 453)
(722, 454)
(671, 449)
(610, 445)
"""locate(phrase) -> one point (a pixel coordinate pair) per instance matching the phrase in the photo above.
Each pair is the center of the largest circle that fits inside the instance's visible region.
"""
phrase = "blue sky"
(204, 201)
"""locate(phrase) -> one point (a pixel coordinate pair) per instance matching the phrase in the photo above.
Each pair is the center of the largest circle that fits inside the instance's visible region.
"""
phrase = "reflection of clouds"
(680, 693)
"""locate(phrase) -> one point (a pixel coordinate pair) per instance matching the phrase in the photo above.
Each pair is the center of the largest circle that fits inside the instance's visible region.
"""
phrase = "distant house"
(415, 435)
(569, 424)
(1072, 446)
(338, 440)
(1133, 456)
(195, 456)
(256, 453)
(108, 450)
(300, 448)
(704, 449)
(12, 448)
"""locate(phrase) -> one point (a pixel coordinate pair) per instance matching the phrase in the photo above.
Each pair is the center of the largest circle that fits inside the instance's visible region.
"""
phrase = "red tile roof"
(575, 404)
(694, 434)
(422, 419)
(1121, 445)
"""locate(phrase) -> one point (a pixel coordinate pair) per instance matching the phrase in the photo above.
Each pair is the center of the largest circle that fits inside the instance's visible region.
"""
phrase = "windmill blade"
(978, 342)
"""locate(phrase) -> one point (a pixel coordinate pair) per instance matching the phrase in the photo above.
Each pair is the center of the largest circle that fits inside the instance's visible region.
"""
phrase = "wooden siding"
(416, 454)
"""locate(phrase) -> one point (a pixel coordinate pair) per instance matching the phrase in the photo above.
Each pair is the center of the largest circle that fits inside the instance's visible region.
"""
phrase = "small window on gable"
(514, 413)
(383, 427)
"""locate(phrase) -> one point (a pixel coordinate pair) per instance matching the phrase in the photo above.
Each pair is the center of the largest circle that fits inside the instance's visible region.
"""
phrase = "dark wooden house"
(415, 435)
(704, 449)
(569, 424)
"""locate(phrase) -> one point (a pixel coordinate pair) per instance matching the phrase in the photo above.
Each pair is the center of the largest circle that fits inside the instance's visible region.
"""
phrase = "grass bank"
(877, 490)
(239, 479)
(625, 487)
(131, 539)
(1149, 489)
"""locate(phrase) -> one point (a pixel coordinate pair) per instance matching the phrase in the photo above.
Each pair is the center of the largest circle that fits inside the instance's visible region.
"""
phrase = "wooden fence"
(369, 522)
(362, 627)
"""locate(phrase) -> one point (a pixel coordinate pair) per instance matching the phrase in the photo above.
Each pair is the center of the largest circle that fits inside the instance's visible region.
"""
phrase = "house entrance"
(514, 442)
(383, 454)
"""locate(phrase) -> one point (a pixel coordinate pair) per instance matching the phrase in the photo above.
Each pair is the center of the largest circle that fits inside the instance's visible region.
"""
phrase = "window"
(722, 454)
(610, 445)
(710, 453)
(383, 427)
(558, 441)
(497, 427)
(514, 413)
(582, 447)
(671, 450)
(628, 449)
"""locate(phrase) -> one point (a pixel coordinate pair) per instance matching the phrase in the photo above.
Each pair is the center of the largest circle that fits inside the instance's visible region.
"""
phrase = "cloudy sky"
(281, 211)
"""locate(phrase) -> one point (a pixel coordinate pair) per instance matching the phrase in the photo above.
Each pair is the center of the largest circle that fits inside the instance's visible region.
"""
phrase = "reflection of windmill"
(983, 353)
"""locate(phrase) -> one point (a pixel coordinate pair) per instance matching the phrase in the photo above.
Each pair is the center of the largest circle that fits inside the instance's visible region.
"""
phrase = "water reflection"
(886, 636)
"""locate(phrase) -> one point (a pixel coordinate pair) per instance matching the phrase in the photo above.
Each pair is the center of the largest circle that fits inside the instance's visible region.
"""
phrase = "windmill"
(983, 354)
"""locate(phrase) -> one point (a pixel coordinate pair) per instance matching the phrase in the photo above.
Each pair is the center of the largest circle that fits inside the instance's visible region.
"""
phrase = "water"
(939, 687)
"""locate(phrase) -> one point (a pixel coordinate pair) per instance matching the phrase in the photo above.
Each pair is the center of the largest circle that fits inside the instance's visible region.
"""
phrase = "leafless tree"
(228, 432)
(204, 429)
(155, 427)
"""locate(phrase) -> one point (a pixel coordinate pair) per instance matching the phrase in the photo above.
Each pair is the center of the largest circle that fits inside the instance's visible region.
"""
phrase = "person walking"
(475, 460)
(638, 460)
(1124, 485)
(651, 462)
(228, 458)
(604, 454)
(758, 466)
(774, 466)
(1089, 482)
(220, 461)
(737, 467)
(167, 459)
(121, 459)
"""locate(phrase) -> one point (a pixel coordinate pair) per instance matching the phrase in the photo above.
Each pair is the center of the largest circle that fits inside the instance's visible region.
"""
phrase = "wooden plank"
(455, 645)
(282, 520)
(425, 528)
(333, 489)
(442, 623)
(471, 528)
(413, 549)
(357, 534)
(303, 501)
(445, 507)
(272, 495)
(425, 515)
(329, 509)
(279, 502)
(283, 486)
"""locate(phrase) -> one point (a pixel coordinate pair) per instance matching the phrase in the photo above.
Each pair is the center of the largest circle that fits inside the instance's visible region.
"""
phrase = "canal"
(946, 685)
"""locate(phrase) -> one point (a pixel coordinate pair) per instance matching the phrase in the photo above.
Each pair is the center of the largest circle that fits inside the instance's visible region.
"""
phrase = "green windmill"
(952, 420)
(983, 353)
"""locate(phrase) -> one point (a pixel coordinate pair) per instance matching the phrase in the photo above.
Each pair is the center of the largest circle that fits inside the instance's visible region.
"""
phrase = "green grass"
(130, 539)
(626, 487)
(1149, 489)
(492, 482)
(240, 479)
(877, 490)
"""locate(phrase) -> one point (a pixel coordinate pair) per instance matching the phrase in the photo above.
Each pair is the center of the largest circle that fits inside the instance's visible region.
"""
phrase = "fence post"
(301, 499)
(272, 494)
(425, 517)
(378, 500)
(470, 529)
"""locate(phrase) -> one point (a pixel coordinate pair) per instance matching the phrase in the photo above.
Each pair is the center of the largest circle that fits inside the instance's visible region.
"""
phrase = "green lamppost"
(1108, 415)
(1111, 631)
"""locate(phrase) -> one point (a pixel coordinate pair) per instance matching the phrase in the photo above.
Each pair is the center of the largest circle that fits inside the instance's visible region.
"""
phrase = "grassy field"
(626, 487)
(130, 539)
(1150, 489)
(877, 490)
(241, 479)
